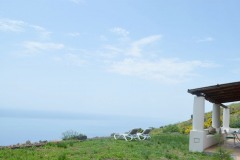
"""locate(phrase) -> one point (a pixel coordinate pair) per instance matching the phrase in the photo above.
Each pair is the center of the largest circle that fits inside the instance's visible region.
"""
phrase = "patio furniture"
(231, 135)
(144, 135)
(127, 136)
(236, 139)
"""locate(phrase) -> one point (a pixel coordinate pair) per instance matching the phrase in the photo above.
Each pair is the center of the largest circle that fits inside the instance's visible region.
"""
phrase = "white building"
(217, 95)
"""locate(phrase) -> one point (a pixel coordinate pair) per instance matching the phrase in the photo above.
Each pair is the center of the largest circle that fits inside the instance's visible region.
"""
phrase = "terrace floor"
(229, 146)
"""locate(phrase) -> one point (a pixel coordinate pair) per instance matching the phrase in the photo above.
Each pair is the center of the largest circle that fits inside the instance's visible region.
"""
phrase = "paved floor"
(229, 146)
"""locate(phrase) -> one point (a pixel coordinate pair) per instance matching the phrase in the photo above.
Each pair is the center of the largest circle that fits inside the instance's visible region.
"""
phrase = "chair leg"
(125, 137)
(139, 137)
(116, 136)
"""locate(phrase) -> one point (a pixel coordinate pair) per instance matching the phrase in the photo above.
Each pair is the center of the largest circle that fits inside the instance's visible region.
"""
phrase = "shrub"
(28, 142)
(208, 123)
(188, 129)
(73, 135)
(170, 128)
(234, 121)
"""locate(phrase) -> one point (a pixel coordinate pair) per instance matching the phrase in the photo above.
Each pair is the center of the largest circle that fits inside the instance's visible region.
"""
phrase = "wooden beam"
(220, 93)
(224, 106)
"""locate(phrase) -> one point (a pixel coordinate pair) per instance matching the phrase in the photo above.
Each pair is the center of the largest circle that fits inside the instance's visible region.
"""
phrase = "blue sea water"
(19, 130)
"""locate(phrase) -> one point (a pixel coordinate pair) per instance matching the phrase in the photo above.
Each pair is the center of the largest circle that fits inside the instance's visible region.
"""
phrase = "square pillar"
(226, 118)
(197, 134)
(216, 116)
(198, 113)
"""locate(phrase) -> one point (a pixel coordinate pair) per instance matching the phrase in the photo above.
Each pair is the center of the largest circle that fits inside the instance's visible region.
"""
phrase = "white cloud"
(42, 31)
(207, 39)
(74, 34)
(112, 51)
(130, 48)
(120, 31)
(135, 58)
(164, 70)
(12, 25)
(34, 47)
(137, 45)
(70, 59)
(127, 57)
(9, 25)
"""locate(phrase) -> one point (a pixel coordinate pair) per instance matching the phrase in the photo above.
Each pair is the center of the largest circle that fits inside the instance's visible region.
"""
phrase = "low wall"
(200, 140)
(211, 140)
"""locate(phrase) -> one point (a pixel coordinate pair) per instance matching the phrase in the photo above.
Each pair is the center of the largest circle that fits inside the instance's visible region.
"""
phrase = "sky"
(92, 59)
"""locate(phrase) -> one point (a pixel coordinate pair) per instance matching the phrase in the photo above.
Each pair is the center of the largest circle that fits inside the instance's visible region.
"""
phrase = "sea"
(19, 130)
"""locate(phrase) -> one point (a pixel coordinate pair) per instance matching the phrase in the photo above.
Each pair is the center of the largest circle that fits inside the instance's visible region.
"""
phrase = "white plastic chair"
(230, 136)
(144, 135)
(128, 136)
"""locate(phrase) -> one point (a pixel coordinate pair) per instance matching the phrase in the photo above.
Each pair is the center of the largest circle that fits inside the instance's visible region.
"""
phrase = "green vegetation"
(235, 115)
(170, 142)
(186, 126)
(73, 135)
(161, 146)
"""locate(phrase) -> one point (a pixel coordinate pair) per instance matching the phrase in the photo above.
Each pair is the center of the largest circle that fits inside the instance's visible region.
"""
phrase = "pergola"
(218, 95)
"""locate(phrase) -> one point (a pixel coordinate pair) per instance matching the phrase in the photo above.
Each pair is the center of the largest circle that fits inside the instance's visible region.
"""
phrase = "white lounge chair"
(229, 136)
(144, 135)
(128, 136)
(233, 135)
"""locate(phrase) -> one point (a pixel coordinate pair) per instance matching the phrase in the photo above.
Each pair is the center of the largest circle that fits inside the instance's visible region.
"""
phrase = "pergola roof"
(220, 93)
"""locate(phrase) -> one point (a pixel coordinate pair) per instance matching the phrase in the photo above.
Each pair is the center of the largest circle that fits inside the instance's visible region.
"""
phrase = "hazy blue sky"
(114, 58)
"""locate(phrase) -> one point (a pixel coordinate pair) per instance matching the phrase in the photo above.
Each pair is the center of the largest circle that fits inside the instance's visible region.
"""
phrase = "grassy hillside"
(186, 126)
(161, 147)
(235, 115)
(168, 142)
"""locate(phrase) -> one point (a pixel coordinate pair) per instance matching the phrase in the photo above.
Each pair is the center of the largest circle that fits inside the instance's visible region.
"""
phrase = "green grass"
(159, 147)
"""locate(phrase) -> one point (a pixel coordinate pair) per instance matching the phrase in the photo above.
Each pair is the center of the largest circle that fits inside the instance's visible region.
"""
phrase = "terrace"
(228, 146)
(219, 94)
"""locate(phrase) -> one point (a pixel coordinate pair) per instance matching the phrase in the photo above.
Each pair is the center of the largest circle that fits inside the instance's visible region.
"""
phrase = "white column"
(226, 118)
(198, 113)
(197, 137)
(216, 116)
